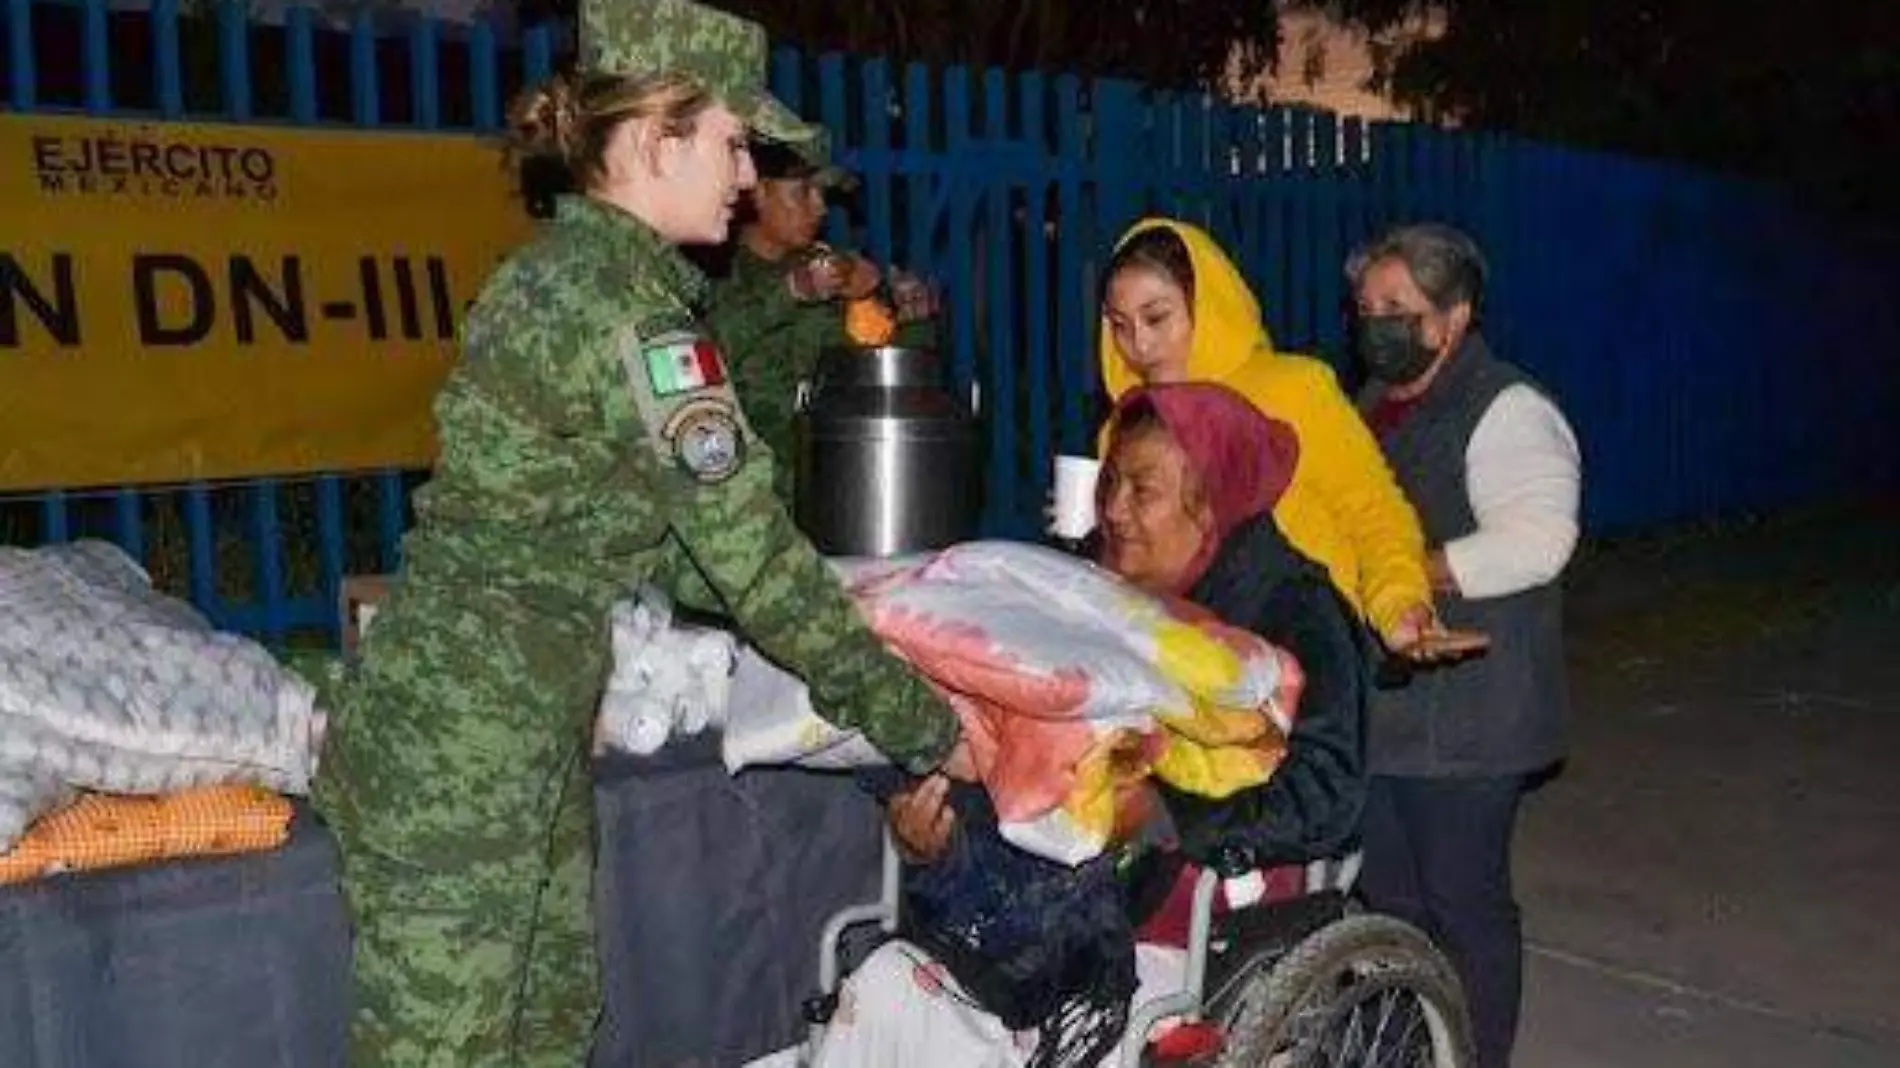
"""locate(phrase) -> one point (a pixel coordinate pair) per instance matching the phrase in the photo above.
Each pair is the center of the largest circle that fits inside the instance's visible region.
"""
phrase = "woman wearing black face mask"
(1493, 470)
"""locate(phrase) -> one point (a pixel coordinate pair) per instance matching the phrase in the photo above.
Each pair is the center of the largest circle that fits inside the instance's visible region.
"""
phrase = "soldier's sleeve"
(680, 576)
(717, 481)
(918, 334)
(772, 321)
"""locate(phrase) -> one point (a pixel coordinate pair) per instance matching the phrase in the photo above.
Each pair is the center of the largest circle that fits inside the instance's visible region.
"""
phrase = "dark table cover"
(712, 892)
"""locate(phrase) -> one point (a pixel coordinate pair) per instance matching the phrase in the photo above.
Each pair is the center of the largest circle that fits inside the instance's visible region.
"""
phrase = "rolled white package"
(1074, 515)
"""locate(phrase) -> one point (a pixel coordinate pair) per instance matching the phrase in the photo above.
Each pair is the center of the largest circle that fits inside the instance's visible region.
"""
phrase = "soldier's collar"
(640, 245)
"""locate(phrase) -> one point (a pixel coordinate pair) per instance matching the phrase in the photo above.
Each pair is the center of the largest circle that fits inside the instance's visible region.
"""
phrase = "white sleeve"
(1523, 474)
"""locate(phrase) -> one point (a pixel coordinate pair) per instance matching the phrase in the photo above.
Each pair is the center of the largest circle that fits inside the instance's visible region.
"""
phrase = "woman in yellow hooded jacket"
(1175, 308)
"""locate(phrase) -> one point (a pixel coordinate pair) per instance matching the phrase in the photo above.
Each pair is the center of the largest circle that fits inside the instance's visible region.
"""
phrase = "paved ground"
(1715, 878)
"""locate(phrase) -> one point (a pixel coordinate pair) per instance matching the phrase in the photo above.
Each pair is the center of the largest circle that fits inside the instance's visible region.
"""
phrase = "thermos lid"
(880, 367)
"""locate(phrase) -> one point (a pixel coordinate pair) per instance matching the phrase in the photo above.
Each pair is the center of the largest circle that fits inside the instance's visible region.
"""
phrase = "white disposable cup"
(1075, 496)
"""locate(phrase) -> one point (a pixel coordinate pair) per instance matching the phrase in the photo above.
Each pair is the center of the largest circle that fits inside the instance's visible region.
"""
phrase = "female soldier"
(589, 442)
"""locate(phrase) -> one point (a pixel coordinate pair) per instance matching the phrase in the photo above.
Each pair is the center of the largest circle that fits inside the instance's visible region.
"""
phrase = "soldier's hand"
(818, 277)
(916, 299)
(859, 277)
(961, 764)
(922, 819)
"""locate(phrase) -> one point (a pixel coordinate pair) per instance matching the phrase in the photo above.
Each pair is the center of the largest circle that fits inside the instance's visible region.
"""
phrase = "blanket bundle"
(107, 685)
(1071, 685)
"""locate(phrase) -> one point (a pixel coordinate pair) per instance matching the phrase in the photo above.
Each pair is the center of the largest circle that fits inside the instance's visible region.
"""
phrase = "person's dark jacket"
(1310, 808)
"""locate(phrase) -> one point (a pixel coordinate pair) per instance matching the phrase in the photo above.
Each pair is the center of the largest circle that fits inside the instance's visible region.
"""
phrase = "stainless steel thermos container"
(887, 458)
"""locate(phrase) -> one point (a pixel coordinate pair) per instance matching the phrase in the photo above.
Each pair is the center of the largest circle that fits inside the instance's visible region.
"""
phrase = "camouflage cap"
(817, 153)
(722, 50)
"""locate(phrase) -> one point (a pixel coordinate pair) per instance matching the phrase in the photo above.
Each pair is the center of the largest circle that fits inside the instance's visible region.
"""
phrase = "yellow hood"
(1228, 331)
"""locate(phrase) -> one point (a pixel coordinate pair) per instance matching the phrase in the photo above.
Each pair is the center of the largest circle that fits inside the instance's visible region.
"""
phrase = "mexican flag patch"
(682, 363)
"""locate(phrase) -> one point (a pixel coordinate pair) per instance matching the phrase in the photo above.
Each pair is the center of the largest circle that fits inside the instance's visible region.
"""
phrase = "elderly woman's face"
(1153, 523)
(1148, 317)
(1388, 289)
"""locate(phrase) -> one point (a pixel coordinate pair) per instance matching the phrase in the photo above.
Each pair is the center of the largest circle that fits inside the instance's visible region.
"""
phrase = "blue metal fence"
(1718, 347)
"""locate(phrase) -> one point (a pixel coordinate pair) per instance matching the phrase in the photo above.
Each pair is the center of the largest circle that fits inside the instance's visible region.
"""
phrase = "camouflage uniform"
(588, 443)
(772, 340)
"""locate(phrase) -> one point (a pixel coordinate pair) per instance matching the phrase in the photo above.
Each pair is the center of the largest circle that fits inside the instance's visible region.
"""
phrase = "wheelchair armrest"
(1187, 1000)
(883, 912)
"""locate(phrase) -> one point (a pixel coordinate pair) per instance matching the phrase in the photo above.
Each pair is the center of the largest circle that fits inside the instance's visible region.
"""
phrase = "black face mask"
(1392, 349)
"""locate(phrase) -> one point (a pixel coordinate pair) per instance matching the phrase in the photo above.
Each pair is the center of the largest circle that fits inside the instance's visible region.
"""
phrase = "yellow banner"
(197, 301)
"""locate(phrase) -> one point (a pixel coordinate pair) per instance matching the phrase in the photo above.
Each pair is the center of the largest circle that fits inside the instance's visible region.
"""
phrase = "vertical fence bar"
(54, 523)
(1249, 188)
(1074, 355)
(1123, 156)
(268, 541)
(1497, 217)
(1468, 186)
(391, 508)
(1271, 191)
(1451, 177)
(128, 522)
(1303, 234)
(831, 106)
(1003, 353)
(537, 53)
(1328, 250)
(1163, 185)
(234, 52)
(1514, 166)
(1421, 175)
(167, 62)
(1035, 290)
(962, 267)
(1223, 183)
(1355, 181)
(365, 108)
(96, 57)
(201, 549)
(919, 181)
(482, 72)
(330, 557)
(300, 55)
(1391, 161)
(128, 528)
(22, 83)
(234, 58)
(1199, 129)
(874, 166)
(425, 81)
(1276, 217)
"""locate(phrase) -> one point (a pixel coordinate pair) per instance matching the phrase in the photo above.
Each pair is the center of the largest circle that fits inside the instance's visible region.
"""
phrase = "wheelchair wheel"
(1366, 990)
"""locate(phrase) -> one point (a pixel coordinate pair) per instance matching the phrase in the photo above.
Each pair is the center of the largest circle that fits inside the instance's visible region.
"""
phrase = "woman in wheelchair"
(1007, 960)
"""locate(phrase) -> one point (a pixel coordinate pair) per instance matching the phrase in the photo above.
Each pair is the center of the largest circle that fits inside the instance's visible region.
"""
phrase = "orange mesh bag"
(112, 831)
(869, 322)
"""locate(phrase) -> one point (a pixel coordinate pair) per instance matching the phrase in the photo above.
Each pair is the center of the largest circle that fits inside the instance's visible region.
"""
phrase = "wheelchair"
(1304, 980)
